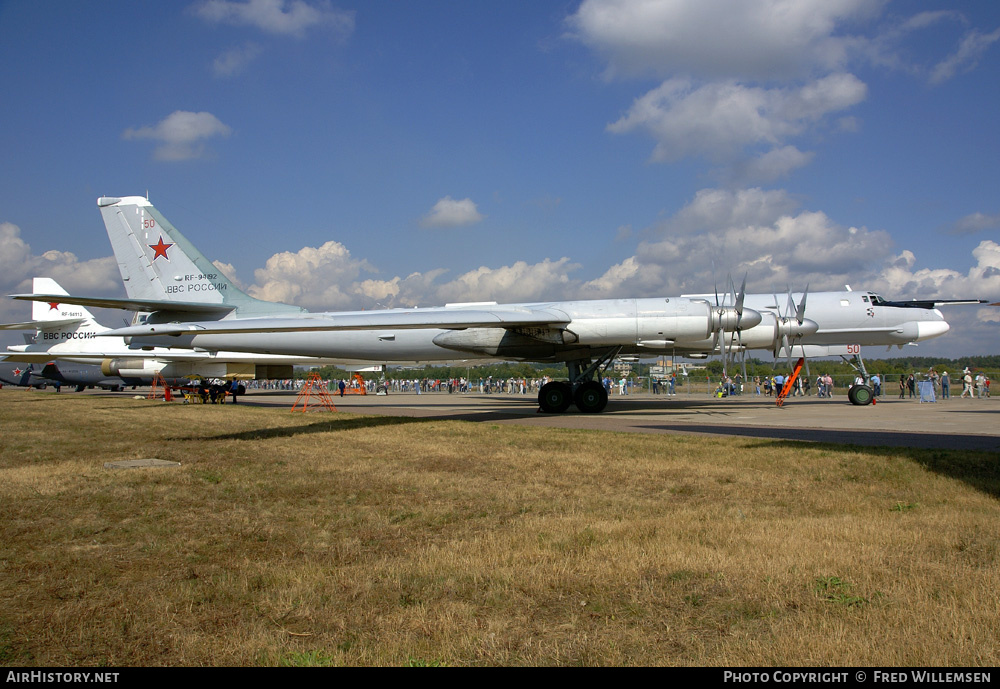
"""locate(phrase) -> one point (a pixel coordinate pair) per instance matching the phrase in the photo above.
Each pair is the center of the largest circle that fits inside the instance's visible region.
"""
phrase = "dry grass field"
(334, 539)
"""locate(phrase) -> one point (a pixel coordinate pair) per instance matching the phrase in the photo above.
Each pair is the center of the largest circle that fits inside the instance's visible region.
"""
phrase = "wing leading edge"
(437, 318)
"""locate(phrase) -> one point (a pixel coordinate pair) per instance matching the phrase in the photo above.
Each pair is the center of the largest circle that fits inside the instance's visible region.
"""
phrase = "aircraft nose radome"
(750, 319)
(928, 329)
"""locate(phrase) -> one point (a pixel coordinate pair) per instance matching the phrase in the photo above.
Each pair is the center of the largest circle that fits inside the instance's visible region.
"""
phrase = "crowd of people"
(973, 385)
(771, 386)
(977, 385)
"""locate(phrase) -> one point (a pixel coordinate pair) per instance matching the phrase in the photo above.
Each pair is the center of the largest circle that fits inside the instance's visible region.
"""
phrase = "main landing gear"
(587, 394)
(863, 394)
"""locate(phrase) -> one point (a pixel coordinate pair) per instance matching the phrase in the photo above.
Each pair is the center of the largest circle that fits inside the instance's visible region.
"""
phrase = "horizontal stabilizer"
(131, 304)
(40, 358)
(40, 325)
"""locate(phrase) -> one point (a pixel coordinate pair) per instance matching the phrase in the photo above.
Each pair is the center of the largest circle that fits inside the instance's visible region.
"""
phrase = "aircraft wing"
(443, 318)
(129, 304)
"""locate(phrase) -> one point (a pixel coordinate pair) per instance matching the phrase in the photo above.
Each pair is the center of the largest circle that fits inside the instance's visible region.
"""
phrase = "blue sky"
(344, 155)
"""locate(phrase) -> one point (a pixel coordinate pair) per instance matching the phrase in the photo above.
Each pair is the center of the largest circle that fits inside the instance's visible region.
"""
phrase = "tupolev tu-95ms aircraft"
(193, 305)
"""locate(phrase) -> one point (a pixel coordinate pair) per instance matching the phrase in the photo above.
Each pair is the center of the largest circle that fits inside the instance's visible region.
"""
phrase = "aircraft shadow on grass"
(340, 423)
(979, 468)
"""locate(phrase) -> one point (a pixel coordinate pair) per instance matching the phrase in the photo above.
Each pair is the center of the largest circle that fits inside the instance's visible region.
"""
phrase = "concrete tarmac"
(956, 424)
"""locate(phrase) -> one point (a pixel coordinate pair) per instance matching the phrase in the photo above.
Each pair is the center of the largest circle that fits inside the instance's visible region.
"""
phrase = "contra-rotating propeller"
(733, 317)
(791, 325)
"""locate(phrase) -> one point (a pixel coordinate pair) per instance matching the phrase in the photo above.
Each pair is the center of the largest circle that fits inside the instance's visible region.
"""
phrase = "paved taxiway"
(961, 424)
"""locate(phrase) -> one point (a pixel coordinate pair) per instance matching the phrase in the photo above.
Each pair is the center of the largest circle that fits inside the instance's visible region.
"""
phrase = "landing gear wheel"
(555, 397)
(860, 395)
(591, 397)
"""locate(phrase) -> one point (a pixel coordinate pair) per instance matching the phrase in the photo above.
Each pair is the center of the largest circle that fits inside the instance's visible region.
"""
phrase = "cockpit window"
(864, 298)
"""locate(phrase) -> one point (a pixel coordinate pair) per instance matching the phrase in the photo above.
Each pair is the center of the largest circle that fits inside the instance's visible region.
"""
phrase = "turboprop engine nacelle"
(728, 319)
(144, 368)
(768, 333)
(792, 329)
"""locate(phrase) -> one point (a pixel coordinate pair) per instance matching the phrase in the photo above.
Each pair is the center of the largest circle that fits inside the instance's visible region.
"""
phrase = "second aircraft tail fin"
(43, 312)
(55, 322)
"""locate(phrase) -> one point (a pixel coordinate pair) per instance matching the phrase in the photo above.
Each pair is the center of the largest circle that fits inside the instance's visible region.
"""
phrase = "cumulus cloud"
(235, 60)
(19, 264)
(722, 208)
(451, 213)
(229, 270)
(973, 330)
(981, 281)
(181, 134)
(281, 17)
(324, 277)
(724, 39)
(898, 46)
(721, 119)
(330, 278)
(761, 233)
(974, 223)
(770, 166)
(743, 78)
(516, 283)
(972, 47)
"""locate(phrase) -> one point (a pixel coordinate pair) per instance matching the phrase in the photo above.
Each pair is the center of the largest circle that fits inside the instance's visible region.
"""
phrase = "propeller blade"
(800, 312)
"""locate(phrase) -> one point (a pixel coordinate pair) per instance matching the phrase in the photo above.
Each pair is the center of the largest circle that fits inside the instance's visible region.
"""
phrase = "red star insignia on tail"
(160, 249)
(53, 305)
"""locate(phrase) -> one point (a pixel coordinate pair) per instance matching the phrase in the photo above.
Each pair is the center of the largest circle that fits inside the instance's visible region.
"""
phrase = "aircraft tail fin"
(158, 263)
(43, 312)
(51, 316)
(55, 323)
